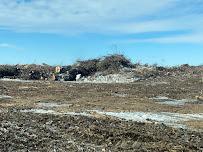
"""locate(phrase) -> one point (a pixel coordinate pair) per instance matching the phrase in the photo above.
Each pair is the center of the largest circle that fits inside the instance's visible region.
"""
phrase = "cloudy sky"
(167, 32)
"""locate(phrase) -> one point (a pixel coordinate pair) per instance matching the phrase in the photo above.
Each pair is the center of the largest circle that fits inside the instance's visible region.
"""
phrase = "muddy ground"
(67, 116)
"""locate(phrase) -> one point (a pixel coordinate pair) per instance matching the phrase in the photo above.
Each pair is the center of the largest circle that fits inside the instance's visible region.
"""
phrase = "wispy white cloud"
(187, 38)
(10, 46)
(104, 16)
(6, 45)
(73, 15)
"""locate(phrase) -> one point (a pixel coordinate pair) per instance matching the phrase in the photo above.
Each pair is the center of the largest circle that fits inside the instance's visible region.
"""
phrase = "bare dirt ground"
(67, 116)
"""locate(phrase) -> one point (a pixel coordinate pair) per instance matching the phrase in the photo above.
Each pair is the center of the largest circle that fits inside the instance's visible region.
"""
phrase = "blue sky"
(167, 32)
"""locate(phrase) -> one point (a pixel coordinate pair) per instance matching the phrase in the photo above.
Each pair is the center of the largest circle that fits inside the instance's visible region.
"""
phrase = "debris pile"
(107, 65)
(112, 68)
(26, 72)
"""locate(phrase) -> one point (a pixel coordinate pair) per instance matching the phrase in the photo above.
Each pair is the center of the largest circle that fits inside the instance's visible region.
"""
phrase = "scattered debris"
(78, 76)
(57, 69)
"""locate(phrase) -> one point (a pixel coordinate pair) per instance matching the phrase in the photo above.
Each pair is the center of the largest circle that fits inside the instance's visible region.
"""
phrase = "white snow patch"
(77, 113)
(111, 78)
(40, 111)
(15, 80)
(5, 97)
(158, 83)
(121, 95)
(43, 111)
(52, 104)
(172, 119)
(174, 102)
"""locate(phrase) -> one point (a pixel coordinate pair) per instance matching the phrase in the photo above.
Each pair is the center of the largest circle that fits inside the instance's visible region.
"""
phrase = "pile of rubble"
(112, 68)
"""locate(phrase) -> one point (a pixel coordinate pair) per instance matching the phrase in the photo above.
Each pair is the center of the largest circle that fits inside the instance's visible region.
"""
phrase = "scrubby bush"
(160, 68)
(8, 71)
(35, 75)
(113, 63)
(72, 75)
(35, 72)
(88, 67)
(64, 69)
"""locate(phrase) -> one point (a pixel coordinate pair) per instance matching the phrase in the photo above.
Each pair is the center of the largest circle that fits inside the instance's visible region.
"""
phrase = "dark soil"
(40, 132)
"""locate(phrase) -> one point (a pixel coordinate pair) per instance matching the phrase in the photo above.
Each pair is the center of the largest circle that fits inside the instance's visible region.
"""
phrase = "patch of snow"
(26, 88)
(52, 104)
(162, 82)
(40, 111)
(121, 95)
(5, 97)
(43, 111)
(77, 113)
(175, 102)
(111, 78)
(160, 98)
(172, 119)
(15, 80)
